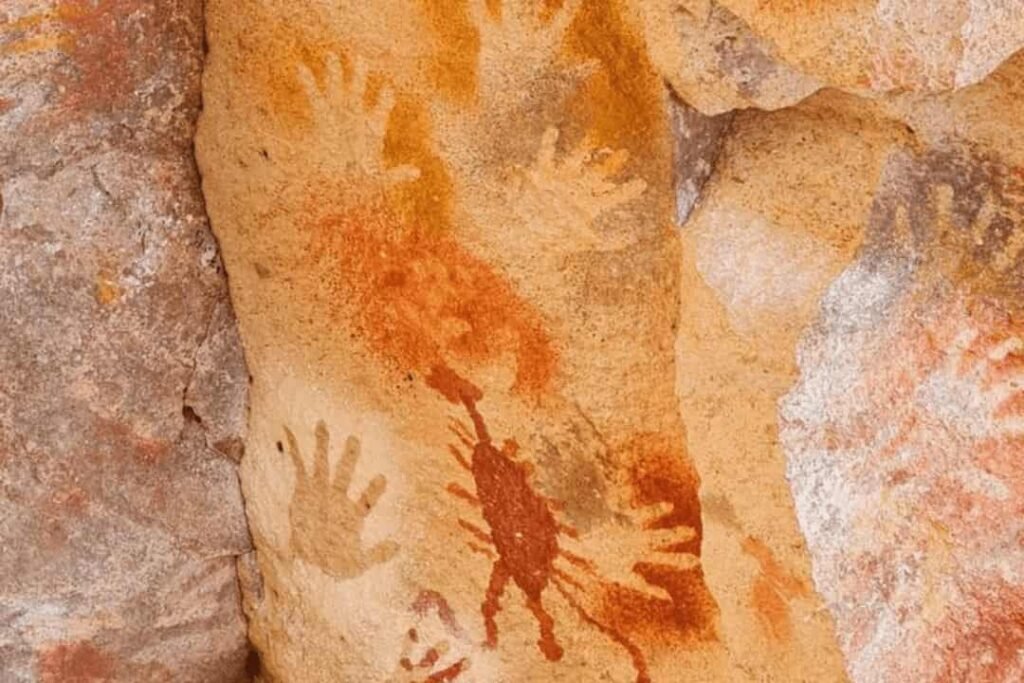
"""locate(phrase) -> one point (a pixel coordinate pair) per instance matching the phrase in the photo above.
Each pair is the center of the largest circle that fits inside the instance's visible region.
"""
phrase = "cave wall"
(122, 381)
(627, 340)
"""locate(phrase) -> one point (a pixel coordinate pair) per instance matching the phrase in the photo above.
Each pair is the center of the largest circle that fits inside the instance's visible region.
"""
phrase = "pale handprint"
(613, 551)
(424, 669)
(351, 132)
(995, 364)
(559, 201)
(326, 524)
(519, 44)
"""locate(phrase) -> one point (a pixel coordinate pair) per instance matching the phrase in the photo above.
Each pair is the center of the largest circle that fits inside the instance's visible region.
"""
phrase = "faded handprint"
(994, 363)
(425, 668)
(326, 524)
(351, 131)
(517, 45)
(559, 201)
(612, 552)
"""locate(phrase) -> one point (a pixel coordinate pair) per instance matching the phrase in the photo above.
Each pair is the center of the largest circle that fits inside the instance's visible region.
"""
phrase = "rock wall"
(625, 340)
(123, 391)
(628, 340)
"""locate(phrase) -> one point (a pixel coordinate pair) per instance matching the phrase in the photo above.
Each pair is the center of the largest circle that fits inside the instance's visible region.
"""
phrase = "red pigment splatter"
(120, 439)
(77, 662)
(989, 649)
(448, 674)
(523, 528)
(420, 299)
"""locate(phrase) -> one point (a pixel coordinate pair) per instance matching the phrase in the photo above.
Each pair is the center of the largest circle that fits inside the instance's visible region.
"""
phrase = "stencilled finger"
(402, 174)
(943, 199)
(360, 77)
(334, 80)
(682, 562)
(321, 462)
(662, 539)
(307, 79)
(647, 516)
(960, 358)
(374, 490)
(295, 454)
(347, 464)
(385, 104)
(983, 219)
(548, 148)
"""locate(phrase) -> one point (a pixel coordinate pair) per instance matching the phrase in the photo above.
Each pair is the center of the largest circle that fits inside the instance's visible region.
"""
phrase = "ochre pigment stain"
(660, 472)
(408, 141)
(453, 65)
(621, 104)
(73, 663)
(772, 590)
(421, 300)
(523, 528)
(428, 600)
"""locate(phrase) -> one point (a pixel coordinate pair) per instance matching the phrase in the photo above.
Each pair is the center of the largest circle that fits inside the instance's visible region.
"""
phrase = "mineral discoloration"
(909, 408)
(427, 224)
(119, 520)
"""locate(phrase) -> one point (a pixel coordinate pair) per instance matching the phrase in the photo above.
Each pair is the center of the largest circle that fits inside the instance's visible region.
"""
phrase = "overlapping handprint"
(613, 551)
(559, 199)
(518, 44)
(350, 131)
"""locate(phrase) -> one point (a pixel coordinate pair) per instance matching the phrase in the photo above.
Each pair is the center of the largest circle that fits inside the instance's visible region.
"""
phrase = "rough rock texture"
(905, 434)
(123, 396)
(730, 54)
(630, 340)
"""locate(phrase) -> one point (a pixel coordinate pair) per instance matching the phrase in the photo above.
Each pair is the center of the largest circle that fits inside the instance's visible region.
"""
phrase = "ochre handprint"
(350, 132)
(613, 551)
(518, 44)
(326, 524)
(559, 201)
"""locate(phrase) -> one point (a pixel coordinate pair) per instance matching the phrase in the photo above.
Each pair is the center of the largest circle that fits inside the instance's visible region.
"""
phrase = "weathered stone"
(119, 522)
(906, 430)
(721, 55)
(631, 340)
(438, 251)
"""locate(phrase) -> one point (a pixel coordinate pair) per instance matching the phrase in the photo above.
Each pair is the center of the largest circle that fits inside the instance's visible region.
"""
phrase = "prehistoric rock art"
(920, 422)
(658, 340)
(321, 509)
(421, 235)
(460, 246)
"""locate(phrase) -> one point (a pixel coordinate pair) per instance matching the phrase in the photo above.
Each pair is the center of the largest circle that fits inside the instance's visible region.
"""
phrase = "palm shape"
(326, 524)
(351, 132)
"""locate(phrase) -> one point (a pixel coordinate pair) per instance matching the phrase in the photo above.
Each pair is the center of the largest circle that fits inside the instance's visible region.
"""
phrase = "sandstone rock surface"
(721, 55)
(123, 395)
(625, 340)
(510, 423)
